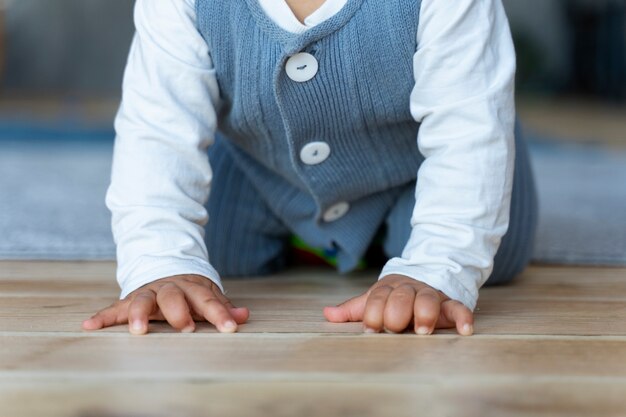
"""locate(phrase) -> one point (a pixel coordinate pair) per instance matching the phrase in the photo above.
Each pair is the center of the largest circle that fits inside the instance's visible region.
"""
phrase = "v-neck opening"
(295, 41)
(321, 9)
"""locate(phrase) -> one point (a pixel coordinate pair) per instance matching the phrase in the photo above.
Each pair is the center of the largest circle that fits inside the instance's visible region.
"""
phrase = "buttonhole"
(301, 67)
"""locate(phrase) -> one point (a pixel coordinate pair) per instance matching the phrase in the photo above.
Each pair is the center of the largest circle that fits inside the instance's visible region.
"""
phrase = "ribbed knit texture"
(243, 236)
(358, 103)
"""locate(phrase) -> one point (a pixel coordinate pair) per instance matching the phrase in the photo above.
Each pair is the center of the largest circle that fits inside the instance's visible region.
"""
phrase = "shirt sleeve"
(161, 174)
(464, 98)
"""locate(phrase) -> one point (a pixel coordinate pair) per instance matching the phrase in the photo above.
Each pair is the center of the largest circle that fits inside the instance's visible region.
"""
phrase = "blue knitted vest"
(358, 103)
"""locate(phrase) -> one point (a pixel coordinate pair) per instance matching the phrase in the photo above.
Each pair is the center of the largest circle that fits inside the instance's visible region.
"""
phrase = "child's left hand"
(396, 301)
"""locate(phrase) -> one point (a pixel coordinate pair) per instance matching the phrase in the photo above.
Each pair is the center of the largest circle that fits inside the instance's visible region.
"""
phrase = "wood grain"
(445, 397)
(551, 343)
(304, 315)
(296, 357)
(543, 300)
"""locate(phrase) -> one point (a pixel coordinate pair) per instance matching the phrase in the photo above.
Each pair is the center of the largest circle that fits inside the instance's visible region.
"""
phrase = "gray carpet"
(582, 204)
(52, 200)
(52, 192)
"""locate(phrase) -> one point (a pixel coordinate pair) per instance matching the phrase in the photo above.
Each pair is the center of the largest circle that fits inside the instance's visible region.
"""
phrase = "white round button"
(336, 212)
(301, 67)
(314, 153)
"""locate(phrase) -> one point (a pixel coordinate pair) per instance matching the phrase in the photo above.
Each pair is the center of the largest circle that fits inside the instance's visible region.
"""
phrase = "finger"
(399, 308)
(348, 311)
(426, 310)
(173, 305)
(373, 316)
(139, 311)
(240, 314)
(110, 316)
(457, 313)
(206, 303)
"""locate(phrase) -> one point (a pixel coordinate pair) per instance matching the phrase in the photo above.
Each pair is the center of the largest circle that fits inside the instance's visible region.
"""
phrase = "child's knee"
(505, 274)
(397, 224)
(509, 264)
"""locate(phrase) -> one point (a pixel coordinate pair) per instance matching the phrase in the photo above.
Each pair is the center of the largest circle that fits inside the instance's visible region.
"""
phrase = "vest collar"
(294, 42)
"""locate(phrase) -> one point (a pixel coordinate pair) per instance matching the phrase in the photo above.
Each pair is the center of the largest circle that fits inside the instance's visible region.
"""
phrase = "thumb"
(351, 310)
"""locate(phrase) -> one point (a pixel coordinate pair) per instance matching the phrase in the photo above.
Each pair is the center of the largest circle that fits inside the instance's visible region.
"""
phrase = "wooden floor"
(575, 120)
(553, 343)
(572, 119)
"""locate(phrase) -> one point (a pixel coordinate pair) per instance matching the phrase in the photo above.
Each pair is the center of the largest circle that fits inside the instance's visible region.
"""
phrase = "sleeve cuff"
(443, 281)
(129, 282)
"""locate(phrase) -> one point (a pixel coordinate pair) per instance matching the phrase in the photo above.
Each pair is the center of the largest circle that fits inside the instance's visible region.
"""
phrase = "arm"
(161, 178)
(464, 71)
(464, 99)
(161, 174)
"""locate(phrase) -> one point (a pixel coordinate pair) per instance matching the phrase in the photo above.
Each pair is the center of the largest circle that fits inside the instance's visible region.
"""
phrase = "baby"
(339, 122)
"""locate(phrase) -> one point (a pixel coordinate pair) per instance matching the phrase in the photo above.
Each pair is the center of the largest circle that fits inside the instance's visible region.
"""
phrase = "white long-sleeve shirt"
(464, 69)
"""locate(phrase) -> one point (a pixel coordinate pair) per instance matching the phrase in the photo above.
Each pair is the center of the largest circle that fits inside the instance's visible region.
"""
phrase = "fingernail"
(188, 329)
(423, 330)
(369, 330)
(468, 329)
(137, 326)
(229, 326)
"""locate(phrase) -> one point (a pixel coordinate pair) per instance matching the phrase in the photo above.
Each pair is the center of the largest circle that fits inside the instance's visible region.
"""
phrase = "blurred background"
(71, 49)
(61, 64)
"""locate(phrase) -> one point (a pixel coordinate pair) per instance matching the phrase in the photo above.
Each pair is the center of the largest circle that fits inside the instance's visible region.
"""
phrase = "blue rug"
(52, 197)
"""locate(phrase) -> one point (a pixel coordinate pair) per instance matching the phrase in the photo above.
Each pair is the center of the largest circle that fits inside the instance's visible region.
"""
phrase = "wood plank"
(58, 288)
(56, 314)
(289, 361)
(75, 271)
(562, 301)
(67, 279)
(294, 357)
(502, 310)
(498, 397)
(88, 271)
(304, 315)
(575, 120)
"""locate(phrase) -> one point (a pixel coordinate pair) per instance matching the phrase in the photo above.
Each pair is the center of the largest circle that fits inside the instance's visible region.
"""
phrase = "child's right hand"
(179, 299)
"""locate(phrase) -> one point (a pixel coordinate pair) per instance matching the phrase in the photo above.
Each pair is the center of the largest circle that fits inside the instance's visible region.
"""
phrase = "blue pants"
(244, 238)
